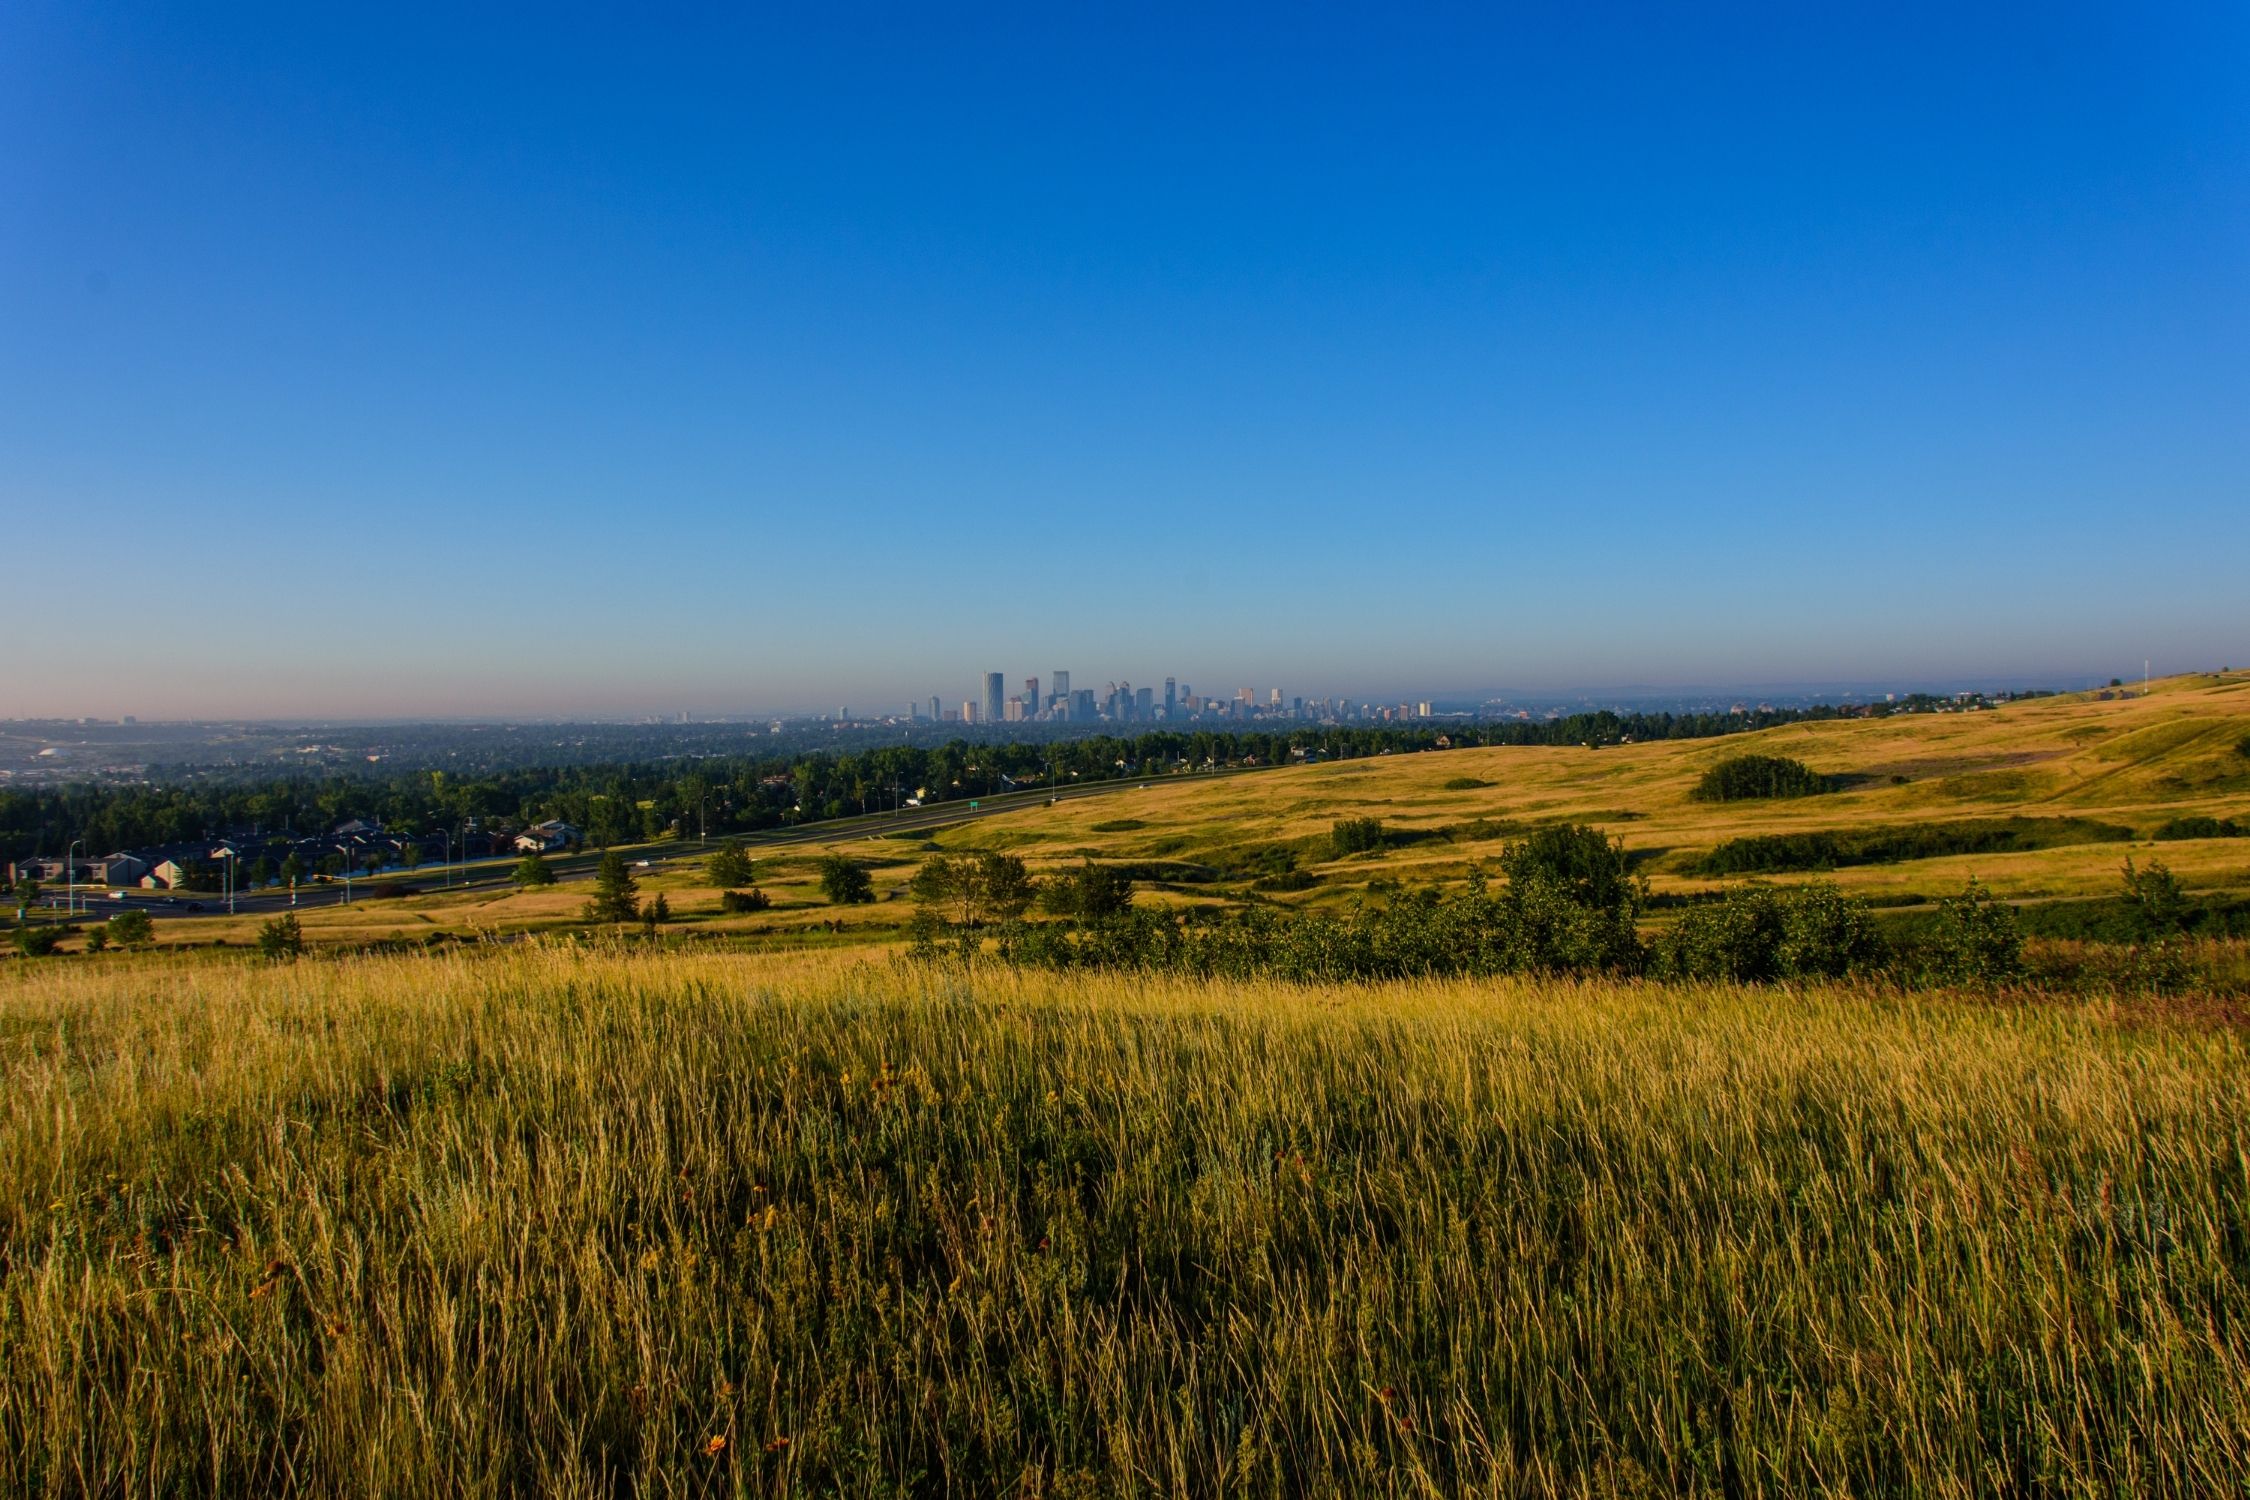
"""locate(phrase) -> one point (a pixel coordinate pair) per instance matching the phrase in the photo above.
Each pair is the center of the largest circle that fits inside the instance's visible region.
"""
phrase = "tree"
(130, 929)
(728, 868)
(292, 868)
(616, 892)
(974, 886)
(843, 882)
(27, 895)
(410, 854)
(1745, 778)
(531, 871)
(657, 912)
(281, 938)
(97, 938)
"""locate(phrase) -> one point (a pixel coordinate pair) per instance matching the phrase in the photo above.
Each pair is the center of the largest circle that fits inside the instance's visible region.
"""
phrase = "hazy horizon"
(425, 364)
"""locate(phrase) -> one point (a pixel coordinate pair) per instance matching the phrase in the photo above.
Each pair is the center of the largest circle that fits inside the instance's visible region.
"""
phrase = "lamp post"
(70, 877)
(227, 854)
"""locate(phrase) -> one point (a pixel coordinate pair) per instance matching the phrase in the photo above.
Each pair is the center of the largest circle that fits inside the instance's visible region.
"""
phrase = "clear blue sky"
(577, 362)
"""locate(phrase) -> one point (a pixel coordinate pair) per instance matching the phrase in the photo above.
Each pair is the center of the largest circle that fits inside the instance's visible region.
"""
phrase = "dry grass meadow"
(567, 1219)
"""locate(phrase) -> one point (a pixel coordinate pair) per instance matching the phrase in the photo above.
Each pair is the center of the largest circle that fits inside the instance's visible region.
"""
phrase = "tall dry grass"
(558, 1222)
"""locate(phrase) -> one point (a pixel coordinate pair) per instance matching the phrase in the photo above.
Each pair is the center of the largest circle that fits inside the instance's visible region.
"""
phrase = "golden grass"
(562, 1220)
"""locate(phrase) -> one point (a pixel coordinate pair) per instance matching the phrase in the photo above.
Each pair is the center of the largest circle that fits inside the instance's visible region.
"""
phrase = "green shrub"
(1466, 784)
(844, 883)
(2200, 828)
(1090, 893)
(281, 938)
(1760, 934)
(1356, 836)
(1977, 939)
(728, 868)
(1119, 825)
(1590, 867)
(1775, 853)
(1746, 778)
(38, 942)
(744, 901)
(130, 929)
(2156, 898)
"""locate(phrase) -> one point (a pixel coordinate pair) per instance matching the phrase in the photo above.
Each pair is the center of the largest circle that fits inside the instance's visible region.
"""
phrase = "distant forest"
(627, 802)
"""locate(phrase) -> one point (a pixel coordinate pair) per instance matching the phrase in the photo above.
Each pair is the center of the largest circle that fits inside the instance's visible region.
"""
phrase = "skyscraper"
(1062, 689)
(1031, 697)
(995, 694)
(1171, 698)
(936, 712)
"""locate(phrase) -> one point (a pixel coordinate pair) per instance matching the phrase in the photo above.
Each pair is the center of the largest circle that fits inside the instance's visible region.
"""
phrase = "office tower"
(995, 689)
(1031, 697)
(1144, 702)
(1121, 703)
(969, 712)
(1014, 714)
(1424, 706)
(1062, 689)
(913, 710)
(1275, 700)
(1171, 697)
(1082, 705)
(937, 714)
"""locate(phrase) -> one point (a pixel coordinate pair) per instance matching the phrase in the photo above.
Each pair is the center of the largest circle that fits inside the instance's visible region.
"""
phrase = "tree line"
(628, 802)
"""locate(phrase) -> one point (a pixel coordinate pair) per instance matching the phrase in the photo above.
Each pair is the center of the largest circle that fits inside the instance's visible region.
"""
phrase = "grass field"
(562, 1220)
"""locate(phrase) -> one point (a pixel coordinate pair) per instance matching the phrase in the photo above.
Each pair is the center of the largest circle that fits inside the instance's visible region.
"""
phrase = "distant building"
(995, 691)
(1171, 698)
(545, 838)
(1062, 689)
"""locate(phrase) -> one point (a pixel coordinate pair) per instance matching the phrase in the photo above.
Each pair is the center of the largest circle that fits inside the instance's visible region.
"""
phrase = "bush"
(844, 883)
(1091, 893)
(1759, 934)
(729, 868)
(2200, 828)
(1977, 940)
(1745, 778)
(1356, 836)
(1590, 867)
(530, 871)
(281, 938)
(38, 942)
(1774, 853)
(1466, 784)
(2156, 898)
(744, 901)
(97, 938)
(130, 929)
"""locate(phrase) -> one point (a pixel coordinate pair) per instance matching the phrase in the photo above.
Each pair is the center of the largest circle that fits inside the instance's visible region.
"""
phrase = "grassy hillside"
(2083, 783)
(554, 1220)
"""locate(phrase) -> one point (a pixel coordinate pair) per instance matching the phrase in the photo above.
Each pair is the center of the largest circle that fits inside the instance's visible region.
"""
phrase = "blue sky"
(562, 361)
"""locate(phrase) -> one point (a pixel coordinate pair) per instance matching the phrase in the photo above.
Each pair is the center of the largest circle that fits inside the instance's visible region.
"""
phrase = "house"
(545, 838)
(171, 875)
(109, 869)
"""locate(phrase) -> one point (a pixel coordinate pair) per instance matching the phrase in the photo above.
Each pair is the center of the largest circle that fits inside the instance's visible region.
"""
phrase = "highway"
(95, 903)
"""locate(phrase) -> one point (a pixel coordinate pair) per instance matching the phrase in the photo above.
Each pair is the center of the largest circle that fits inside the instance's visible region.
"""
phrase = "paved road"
(96, 903)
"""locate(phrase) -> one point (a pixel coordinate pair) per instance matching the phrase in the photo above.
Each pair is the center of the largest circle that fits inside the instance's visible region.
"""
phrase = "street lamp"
(227, 853)
(70, 877)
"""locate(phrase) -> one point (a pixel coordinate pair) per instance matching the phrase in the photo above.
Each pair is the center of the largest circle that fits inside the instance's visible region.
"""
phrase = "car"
(195, 906)
(116, 895)
(640, 864)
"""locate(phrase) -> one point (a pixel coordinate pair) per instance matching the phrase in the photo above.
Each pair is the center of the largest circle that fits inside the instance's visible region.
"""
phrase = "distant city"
(1055, 701)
